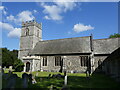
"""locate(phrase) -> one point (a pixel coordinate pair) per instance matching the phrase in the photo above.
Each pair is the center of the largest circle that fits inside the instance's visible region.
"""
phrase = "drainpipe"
(92, 53)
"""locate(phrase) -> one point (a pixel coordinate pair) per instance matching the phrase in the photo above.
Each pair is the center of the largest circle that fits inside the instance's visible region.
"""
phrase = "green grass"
(75, 80)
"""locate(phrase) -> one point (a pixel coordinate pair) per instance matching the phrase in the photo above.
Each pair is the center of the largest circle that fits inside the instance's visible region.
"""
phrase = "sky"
(59, 20)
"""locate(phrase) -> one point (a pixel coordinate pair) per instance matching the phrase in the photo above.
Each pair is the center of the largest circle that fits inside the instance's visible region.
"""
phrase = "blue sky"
(59, 20)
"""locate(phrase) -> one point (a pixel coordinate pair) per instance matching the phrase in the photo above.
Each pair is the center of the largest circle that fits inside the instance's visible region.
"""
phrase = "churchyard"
(47, 80)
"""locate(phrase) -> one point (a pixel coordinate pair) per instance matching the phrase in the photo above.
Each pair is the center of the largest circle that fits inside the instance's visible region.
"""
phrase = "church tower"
(31, 33)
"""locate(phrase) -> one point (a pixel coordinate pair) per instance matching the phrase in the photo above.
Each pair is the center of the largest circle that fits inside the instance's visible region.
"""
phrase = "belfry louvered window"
(27, 31)
(57, 60)
(45, 61)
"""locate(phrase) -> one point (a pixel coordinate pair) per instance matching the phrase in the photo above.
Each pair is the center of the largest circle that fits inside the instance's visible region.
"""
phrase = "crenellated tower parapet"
(32, 23)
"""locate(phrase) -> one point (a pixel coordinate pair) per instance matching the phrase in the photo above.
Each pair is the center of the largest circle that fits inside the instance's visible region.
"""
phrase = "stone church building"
(70, 54)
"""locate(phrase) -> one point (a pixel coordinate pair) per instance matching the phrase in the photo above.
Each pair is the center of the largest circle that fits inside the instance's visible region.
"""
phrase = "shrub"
(18, 65)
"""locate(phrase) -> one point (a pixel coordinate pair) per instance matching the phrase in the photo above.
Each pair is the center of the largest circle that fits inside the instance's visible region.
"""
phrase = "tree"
(115, 35)
(18, 65)
(7, 58)
(10, 58)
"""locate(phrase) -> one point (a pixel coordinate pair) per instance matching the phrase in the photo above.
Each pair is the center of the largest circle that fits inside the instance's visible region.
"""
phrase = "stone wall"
(111, 65)
(98, 60)
(36, 65)
(72, 64)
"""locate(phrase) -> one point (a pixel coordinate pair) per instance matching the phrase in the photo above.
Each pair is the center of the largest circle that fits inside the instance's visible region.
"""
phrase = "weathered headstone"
(51, 87)
(10, 72)
(72, 71)
(65, 80)
(11, 81)
(33, 80)
(10, 68)
(30, 78)
(4, 67)
(36, 74)
(49, 76)
(25, 80)
(64, 73)
(41, 79)
(0, 68)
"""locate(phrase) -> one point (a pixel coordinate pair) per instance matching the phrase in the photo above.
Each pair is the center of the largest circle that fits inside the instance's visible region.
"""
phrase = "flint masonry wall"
(72, 64)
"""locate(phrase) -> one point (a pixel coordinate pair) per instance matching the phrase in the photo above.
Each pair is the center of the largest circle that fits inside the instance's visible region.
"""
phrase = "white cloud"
(2, 8)
(11, 18)
(66, 5)
(22, 16)
(35, 11)
(25, 16)
(81, 27)
(53, 12)
(13, 32)
(6, 26)
(46, 17)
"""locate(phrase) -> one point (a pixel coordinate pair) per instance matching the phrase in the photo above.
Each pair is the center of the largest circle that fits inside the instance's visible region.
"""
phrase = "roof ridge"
(64, 39)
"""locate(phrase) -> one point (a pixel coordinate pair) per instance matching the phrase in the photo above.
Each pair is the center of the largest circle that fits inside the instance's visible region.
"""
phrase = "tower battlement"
(31, 23)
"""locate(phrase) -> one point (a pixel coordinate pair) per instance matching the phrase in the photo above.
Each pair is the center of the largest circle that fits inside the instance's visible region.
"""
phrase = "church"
(75, 55)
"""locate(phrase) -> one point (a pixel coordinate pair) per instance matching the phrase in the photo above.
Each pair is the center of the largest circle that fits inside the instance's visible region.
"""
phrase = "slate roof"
(105, 46)
(63, 46)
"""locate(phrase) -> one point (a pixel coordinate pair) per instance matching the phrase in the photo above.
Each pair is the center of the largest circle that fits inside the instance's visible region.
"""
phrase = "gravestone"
(4, 67)
(72, 71)
(33, 80)
(51, 87)
(10, 71)
(41, 79)
(25, 78)
(49, 76)
(30, 78)
(36, 74)
(0, 68)
(11, 81)
(64, 73)
(10, 68)
(65, 80)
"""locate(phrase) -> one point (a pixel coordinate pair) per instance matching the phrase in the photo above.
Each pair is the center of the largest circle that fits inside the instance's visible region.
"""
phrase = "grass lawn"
(75, 80)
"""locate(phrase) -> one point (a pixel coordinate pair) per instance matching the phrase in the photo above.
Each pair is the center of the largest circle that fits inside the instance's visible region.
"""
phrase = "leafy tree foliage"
(115, 35)
(9, 58)
(18, 65)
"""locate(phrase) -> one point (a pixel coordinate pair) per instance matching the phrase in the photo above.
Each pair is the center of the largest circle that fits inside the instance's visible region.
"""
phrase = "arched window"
(27, 31)
(27, 66)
